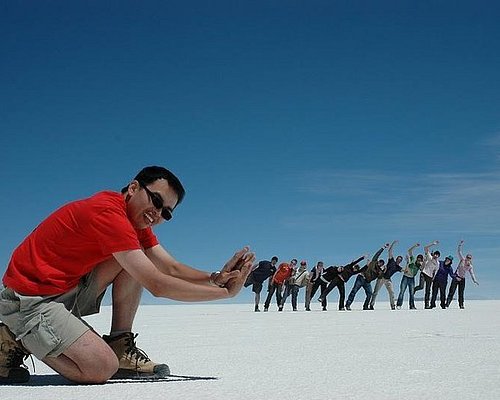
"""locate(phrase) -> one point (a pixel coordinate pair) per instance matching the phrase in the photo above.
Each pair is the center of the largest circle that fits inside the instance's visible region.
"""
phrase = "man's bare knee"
(101, 370)
(88, 360)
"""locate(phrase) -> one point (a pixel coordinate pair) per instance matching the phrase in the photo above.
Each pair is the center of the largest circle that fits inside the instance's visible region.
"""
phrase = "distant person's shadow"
(58, 380)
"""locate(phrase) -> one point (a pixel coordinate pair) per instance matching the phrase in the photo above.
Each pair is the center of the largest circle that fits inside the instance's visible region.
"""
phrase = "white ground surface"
(381, 354)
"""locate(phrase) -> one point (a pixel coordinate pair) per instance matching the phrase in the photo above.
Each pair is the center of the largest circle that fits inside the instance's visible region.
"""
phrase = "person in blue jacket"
(441, 281)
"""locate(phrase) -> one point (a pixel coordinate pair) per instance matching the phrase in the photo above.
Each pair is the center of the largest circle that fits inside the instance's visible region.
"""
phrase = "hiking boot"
(348, 308)
(257, 309)
(12, 356)
(133, 361)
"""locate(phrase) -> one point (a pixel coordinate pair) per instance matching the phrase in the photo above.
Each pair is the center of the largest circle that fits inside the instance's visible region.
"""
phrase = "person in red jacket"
(284, 271)
(60, 272)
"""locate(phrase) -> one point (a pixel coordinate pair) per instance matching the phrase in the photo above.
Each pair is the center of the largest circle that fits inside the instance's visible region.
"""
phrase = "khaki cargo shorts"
(48, 325)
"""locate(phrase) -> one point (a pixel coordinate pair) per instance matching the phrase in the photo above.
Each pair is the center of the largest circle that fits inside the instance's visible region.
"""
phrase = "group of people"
(287, 279)
(61, 270)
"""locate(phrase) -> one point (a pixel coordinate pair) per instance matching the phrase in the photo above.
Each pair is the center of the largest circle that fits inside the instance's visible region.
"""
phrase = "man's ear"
(133, 187)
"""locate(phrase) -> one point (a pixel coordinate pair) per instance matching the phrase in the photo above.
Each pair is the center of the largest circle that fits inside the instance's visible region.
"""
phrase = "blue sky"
(317, 130)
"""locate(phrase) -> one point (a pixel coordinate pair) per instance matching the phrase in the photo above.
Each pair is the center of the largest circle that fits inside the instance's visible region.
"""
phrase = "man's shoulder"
(106, 198)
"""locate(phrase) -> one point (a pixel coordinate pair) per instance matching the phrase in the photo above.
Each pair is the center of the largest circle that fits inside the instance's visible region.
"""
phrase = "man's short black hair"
(274, 258)
(148, 175)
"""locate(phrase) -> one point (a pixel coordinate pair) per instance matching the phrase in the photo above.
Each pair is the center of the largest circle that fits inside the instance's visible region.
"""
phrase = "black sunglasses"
(157, 201)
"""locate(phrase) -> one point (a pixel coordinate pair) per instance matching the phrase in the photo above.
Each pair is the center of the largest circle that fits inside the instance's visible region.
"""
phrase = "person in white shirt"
(431, 265)
(464, 266)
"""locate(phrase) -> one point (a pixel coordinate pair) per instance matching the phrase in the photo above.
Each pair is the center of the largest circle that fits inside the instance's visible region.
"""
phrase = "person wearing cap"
(441, 281)
(300, 278)
(431, 265)
(464, 266)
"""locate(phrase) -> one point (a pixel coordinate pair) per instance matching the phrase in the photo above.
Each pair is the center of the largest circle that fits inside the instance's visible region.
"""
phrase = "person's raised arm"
(428, 247)
(410, 250)
(459, 250)
(390, 251)
(354, 262)
(379, 252)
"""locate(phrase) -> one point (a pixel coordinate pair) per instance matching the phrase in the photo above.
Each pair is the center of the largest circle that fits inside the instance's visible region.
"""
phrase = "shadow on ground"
(58, 380)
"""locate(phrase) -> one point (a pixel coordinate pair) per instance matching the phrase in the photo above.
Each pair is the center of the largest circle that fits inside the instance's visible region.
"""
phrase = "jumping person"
(60, 272)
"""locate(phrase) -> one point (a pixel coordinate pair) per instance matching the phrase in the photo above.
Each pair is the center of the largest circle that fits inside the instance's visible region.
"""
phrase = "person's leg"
(328, 289)
(88, 360)
(451, 292)
(411, 286)
(341, 287)
(295, 295)
(368, 291)
(378, 285)
(435, 287)
(286, 293)
(270, 293)
(357, 285)
(279, 295)
(315, 287)
(390, 290)
(54, 334)
(421, 283)
(402, 289)
(427, 295)
(323, 299)
(442, 294)
(126, 293)
(461, 291)
(307, 299)
(257, 288)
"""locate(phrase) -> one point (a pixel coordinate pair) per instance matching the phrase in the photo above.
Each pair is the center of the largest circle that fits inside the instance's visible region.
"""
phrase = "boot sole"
(160, 371)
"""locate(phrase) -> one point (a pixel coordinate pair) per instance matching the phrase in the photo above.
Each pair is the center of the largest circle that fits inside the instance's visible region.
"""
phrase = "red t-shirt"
(71, 242)
(283, 273)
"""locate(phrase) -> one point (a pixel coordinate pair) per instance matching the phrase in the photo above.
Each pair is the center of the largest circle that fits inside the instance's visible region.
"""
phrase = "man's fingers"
(229, 266)
(232, 274)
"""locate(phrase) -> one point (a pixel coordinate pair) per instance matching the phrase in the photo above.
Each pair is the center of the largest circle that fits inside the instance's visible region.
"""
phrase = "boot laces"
(134, 351)
(16, 357)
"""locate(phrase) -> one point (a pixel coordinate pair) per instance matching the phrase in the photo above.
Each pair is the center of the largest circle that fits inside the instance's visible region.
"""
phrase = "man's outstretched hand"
(235, 272)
